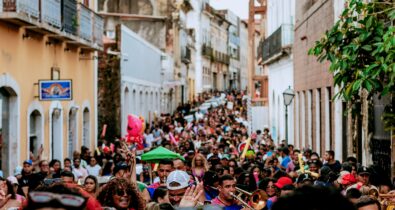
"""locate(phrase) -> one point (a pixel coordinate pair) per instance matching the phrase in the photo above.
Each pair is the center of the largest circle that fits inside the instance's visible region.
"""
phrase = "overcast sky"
(239, 7)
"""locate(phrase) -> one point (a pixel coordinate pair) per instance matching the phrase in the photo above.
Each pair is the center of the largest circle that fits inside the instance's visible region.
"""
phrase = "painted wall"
(280, 78)
(279, 12)
(29, 60)
(141, 67)
(243, 56)
(140, 59)
(280, 72)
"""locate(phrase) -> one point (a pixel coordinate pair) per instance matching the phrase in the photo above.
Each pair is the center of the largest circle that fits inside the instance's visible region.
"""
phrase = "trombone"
(258, 198)
(386, 200)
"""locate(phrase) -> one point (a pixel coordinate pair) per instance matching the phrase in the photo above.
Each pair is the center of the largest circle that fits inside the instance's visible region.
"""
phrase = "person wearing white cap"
(180, 195)
(15, 184)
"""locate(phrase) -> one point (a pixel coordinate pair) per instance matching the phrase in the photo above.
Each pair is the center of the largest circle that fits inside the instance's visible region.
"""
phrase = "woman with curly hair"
(199, 166)
(120, 194)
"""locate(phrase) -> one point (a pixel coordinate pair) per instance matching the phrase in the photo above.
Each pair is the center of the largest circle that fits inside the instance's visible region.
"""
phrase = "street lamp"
(288, 95)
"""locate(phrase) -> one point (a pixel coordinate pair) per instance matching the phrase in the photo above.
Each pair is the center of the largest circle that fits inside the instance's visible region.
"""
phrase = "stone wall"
(155, 31)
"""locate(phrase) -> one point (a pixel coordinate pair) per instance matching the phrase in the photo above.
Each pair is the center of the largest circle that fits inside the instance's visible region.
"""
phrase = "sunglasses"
(271, 186)
(122, 192)
(64, 199)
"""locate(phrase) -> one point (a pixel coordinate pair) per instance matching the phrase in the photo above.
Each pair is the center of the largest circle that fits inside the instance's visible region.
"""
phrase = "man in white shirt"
(149, 138)
(93, 168)
(78, 171)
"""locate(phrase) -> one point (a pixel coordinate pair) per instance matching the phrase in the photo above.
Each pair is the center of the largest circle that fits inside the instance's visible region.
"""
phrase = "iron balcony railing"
(207, 50)
(186, 55)
(75, 21)
(28, 7)
(98, 28)
(51, 12)
(281, 39)
(85, 23)
(69, 16)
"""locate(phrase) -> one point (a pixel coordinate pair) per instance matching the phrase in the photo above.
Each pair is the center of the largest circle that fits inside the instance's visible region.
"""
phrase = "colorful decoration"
(135, 131)
(245, 149)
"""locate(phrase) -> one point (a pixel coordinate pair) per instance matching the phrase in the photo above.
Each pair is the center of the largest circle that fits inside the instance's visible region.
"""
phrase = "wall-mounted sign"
(55, 90)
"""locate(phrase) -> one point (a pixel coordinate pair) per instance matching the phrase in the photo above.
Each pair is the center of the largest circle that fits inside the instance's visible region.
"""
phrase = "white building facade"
(141, 80)
(243, 55)
(277, 56)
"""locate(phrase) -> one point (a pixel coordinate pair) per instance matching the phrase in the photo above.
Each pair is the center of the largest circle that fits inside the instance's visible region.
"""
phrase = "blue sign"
(55, 90)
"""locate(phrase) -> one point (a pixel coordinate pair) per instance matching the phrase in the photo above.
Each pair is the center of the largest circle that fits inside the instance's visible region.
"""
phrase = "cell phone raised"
(48, 182)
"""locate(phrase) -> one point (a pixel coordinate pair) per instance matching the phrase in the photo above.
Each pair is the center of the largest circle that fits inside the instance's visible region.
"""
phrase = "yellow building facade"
(34, 48)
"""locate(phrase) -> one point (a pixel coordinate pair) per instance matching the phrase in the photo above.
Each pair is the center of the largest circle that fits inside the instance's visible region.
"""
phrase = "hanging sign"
(55, 90)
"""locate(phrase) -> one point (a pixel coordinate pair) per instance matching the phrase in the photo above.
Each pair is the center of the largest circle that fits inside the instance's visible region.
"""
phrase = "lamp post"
(288, 95)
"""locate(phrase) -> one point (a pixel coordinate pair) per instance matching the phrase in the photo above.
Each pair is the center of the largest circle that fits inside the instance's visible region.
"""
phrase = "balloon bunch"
(135, 131)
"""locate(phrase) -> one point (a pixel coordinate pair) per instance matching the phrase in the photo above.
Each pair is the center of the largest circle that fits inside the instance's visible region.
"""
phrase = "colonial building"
(243, 55)
(220, 57)
(318, 120)
(207, 50)
(140, 80)
(233, 50)
(48, 78)
(278, 59)
(163, 24)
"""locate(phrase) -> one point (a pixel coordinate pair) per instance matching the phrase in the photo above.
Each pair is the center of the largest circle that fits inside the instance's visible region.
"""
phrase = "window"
(56, 134)
(86, 128)
(72, 132)
(35, 134)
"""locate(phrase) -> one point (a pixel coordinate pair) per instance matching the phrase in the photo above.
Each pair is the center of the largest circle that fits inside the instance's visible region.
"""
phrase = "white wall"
(280, 78)
(338, 9)
(279, 12)
(194, 21)
(243, 56)
(143, 71)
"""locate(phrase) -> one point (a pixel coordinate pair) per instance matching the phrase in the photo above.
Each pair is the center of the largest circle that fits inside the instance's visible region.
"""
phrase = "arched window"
(6, 129)
(86, 125)
(72, 131)
(146, 105)
(141, 107)
(56, 130)
(35, 131)
(126, 103)
(133, 103)
(152, 106)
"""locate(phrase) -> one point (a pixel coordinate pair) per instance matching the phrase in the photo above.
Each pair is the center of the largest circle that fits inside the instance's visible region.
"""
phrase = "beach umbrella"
(160, 153)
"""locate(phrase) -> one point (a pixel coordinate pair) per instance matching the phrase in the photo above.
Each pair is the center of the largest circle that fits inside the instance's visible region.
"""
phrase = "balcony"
(69, 17)
(51, 13)
(186, 55)
(277, 44)
(221, 57)
(20, 12)
(85, 23)
(98, 28)
(65, 20)
(207, 51)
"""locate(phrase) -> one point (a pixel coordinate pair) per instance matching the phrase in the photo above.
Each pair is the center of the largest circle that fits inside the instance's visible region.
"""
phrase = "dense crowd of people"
(221, 166)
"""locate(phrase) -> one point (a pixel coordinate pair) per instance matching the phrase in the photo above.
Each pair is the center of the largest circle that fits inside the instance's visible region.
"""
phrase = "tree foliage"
(361, 50)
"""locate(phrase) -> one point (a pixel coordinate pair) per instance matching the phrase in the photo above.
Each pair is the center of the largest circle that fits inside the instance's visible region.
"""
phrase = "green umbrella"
(160, 153)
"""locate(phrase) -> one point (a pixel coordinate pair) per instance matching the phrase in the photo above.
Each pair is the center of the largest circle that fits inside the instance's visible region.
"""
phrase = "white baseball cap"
(13, 180)
(177, 180)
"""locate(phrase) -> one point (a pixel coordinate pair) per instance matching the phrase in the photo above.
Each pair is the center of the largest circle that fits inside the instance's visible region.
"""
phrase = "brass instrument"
(302, 170)
(258, 198)
(386, 200)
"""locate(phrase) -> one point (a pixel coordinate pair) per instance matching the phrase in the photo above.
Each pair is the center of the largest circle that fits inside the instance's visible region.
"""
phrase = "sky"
(239, 7)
